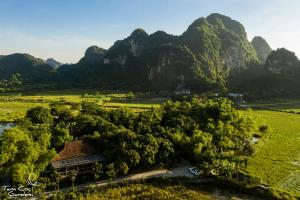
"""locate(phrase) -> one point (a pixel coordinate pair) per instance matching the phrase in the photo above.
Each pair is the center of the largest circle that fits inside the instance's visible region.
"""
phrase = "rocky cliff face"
(170, 67)
(262, 48)
(220, 44)
(217, 44)
(131, 46)
(283, 62)
(94, 55)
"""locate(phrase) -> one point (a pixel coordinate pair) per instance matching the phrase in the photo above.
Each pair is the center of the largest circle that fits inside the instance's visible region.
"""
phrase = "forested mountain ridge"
(53, 63)
(213, 54)
(199, 59)
(278, 77)
(32, 70)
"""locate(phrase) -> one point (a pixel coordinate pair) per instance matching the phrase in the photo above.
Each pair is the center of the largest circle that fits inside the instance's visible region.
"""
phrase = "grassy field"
(10, 111)
(288, 105)
(277, 157)
(294, 107)
(13, 106)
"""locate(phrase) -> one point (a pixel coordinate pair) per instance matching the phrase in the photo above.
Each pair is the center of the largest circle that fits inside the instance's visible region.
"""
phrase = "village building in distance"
(236, 97)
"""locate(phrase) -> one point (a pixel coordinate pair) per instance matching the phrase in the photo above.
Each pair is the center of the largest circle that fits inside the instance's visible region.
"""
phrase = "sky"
(64, 29)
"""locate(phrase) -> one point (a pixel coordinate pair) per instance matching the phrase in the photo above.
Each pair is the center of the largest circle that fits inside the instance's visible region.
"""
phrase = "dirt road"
(180, 171)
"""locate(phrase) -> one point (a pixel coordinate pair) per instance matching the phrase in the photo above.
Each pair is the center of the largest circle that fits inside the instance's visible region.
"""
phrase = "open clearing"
(14, 106)
(10, 111)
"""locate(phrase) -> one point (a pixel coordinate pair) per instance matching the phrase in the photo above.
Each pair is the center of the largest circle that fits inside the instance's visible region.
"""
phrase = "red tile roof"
(76, 149)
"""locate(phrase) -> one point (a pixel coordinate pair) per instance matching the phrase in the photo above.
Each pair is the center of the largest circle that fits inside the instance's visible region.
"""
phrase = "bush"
(263, 128)
(57, 196)
(39, 115)
(111, 171)
(71, 196)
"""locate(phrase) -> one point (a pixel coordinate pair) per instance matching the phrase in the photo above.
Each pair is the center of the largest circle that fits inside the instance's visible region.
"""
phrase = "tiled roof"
(77, 161)
(76, 149)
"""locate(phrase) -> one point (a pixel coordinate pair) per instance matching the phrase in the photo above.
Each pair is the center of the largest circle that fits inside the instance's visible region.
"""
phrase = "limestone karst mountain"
(212, 54)
(53, 63)
(262, 48)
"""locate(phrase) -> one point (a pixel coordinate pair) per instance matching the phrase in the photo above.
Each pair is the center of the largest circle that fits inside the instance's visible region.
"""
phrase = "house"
(182, 92)
(236, 97)
(106, 61)
(76, 157)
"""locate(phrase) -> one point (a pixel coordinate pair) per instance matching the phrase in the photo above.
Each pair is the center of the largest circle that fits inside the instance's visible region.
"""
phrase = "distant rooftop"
(235, 95)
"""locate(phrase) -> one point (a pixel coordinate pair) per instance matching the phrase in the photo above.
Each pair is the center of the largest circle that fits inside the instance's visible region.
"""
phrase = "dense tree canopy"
(279, 77)
(207, 132)
(24, 152)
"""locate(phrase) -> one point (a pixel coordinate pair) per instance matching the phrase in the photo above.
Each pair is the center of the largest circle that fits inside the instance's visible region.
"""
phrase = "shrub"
(263, 128)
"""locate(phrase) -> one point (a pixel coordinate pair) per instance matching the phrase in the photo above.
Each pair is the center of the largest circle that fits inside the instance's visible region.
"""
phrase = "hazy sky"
(63, 29)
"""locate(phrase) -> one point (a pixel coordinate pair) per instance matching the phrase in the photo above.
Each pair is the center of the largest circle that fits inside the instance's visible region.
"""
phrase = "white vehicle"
(195, 171)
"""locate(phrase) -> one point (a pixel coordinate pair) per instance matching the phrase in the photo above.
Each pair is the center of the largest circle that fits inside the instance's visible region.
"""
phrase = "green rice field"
(15, 106)
(277, 157)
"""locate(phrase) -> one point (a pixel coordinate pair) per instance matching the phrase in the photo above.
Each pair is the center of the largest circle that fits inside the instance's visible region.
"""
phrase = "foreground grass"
(159, 188)
(146, 191)
(277, 157)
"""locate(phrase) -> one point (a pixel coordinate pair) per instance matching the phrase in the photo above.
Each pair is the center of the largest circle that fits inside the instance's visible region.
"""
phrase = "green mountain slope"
(32, 70)
(201, 58)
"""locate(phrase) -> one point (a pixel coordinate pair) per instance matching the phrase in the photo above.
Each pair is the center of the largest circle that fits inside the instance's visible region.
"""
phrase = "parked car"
(195, 171)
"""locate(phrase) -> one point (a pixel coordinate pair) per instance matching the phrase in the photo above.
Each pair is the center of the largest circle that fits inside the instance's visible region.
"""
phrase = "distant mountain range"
(30, 68)
(212, 54)
(53, 63)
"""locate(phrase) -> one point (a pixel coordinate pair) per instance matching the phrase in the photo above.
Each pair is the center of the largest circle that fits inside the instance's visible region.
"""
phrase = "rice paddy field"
(285, 105)
(294, 107)
(14, 106)
(277, 157)
(9, 111)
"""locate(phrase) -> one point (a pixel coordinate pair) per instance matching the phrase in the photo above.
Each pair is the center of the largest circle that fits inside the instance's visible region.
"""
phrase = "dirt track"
(180, 171)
